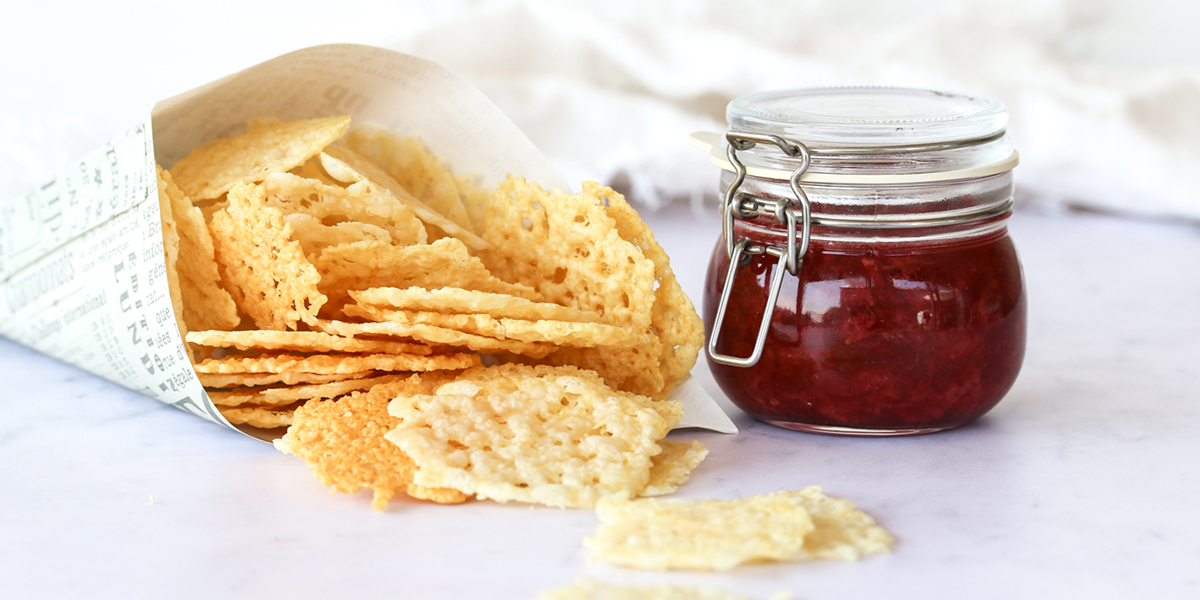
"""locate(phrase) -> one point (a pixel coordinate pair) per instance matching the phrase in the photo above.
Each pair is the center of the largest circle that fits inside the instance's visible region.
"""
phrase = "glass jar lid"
(871, 135)
(870, 117)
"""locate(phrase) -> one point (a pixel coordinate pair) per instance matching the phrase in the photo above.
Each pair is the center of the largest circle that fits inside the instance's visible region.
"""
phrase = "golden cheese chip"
(271, 147)
(445, 262)
(258, 416)
(474, 199)
(281, 396)
(561, 333)
(333, 204)
(673, 467)
(342, 443)
(336, 363)
(232, 380)
(314, 236)
(590, 589)
(437, 336)
(655, 368)
(699, 534)
(721, 534)
(312, 169)
(205, 304)
(567, 248)
(411, 165)
(347, 166)
(452, 300)
(170, 234)
(546, 435)
(301, 341)
(265, 268)
(841, 531)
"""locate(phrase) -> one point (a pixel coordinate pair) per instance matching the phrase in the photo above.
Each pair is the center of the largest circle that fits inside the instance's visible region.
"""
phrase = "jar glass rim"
(868, 117)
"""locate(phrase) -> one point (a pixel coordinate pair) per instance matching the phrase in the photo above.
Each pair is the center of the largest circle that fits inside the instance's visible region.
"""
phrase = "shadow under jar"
(874, 289)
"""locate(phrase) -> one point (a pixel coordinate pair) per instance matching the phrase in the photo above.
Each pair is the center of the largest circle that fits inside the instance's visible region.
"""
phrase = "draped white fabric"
(1104, 96)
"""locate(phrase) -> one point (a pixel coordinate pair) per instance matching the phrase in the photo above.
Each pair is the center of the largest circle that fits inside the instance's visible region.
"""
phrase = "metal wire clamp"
(740, 205)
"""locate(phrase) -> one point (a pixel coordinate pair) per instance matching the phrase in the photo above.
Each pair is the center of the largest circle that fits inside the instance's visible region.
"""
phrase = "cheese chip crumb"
(721, 534)
(548, 435)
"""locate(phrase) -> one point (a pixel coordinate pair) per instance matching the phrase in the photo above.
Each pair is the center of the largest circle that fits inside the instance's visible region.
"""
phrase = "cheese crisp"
(721, 534)
(554, 436)
(315, 272)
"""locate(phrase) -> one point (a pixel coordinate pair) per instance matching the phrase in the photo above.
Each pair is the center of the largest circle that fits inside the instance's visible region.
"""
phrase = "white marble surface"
(1083, 483)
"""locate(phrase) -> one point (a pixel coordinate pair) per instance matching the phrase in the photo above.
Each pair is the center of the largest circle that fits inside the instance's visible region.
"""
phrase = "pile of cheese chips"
(348, 286)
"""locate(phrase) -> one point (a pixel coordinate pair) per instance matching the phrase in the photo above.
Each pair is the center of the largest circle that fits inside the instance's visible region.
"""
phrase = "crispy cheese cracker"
(699, 534)
(453, 300)
(265, 268)
(437, 336)
(333, 204)
(258, 416)
(233, 380)
(347, 166)
(446, 262)
(205, 304)
(677, 332)
(342, 443)
(170, 234)
(567, 248)
(673, 466)
(331, 363)
(486, 434)
(282, 396)
(721, 534)
(301, 341)
(410, 164)
(269, 147)
(560, 333)
(841, 532)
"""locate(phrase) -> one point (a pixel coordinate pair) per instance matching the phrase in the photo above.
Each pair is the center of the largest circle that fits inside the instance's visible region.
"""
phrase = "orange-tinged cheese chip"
(342, 442)
(265, 268)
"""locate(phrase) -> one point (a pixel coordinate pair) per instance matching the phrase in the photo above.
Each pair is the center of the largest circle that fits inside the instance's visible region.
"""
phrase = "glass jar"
(873, 289)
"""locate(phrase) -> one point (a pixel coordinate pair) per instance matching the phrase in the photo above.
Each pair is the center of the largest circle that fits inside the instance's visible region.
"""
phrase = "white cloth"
(611, 90)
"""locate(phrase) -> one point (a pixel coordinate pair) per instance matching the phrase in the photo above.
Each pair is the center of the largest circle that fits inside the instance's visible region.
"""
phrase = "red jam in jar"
(906, 310)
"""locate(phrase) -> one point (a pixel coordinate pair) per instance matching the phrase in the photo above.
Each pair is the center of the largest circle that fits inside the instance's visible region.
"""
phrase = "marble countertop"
(1082, 483)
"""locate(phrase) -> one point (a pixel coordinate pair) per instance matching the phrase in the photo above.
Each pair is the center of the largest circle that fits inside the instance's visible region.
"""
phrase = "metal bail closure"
(741, 205)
